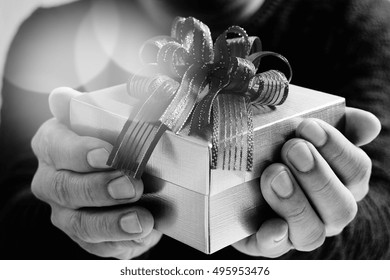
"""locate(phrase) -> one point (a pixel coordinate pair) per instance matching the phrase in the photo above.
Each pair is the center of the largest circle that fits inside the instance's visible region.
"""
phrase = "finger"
(331, 199)
(350, 163)
(75, 190)
(97, 225)
(55, 144)
(285, 197)
(59, 103)
(270, 241)
(361, 127)
(124, 250)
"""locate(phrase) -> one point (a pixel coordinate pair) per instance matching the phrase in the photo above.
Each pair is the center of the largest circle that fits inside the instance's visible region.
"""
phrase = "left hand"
(92, 204)
(316, 188)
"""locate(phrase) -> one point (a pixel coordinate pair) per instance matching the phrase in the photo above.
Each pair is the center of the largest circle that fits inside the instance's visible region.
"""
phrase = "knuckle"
(37, 140)
(34, 143)
(40, 142)
(359, 191)
(359, 176)
(93, 228)
(36, 185)
(88, 194)
(86, 189)
(79, 227)
(39, 148)
(338, 152)
(323, 187)
(344, 217)
(60, 189)
(350, 213)
(57, 218)
(298, 214)
(107, 227)
(314, 239)
(39, 183)
(91, 190)
(354, 162)
(361, 171)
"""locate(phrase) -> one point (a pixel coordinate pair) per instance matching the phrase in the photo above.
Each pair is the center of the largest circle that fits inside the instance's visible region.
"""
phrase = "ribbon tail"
(142, 131)
(232, 137)
(200, 123)
(135, 147)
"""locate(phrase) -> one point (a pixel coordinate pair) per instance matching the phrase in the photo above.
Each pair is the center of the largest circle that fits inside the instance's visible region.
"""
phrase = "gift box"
(205, 208)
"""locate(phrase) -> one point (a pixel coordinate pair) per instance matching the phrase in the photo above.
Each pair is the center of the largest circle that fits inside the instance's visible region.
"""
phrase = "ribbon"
(207, 88)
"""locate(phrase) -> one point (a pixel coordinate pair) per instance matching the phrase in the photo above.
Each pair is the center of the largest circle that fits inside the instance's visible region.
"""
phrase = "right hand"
(90, 202)
(315, 188)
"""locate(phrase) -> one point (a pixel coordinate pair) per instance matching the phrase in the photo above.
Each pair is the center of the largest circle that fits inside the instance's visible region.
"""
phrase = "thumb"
(59, 103)
(361, 127)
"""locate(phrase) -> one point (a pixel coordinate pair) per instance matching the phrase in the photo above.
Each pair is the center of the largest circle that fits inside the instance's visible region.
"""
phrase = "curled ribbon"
(208, 88)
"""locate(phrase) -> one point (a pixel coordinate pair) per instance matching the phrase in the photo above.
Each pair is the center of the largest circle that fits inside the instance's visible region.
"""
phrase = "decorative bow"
(207, 89)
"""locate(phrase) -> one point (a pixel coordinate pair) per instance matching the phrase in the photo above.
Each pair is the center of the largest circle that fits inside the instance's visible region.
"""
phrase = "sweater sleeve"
(361, 73)
(370, 86)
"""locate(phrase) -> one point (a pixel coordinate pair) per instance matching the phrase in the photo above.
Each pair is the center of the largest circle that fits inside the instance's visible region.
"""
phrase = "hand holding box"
(205, 208)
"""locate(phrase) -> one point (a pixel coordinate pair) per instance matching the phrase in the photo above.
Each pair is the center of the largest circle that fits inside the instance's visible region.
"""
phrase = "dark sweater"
(341, 47)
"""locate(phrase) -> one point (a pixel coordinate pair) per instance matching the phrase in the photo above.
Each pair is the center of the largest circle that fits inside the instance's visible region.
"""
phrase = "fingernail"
(300, 156)
(130, 223)
(98, 158)
(314, 133)
(121, 188)
(282, 185)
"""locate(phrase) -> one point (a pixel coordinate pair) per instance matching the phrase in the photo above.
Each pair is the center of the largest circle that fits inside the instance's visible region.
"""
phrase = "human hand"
(90, 202)
(316, 188)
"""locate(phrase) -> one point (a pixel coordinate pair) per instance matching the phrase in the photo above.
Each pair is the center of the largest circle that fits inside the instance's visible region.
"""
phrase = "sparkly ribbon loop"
(209, 88)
